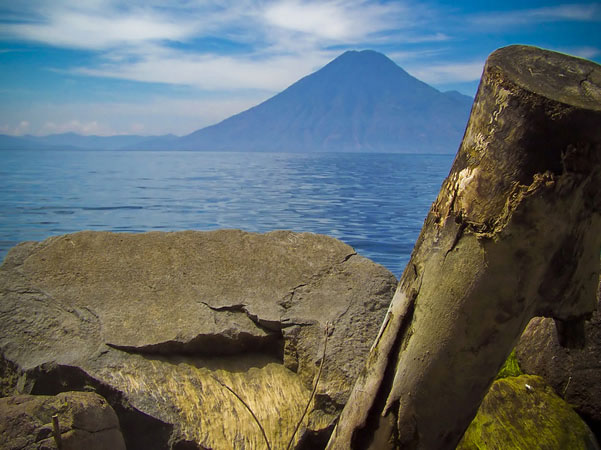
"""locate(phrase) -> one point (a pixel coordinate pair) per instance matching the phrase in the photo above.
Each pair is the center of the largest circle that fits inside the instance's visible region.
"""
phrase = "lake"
(374, 202)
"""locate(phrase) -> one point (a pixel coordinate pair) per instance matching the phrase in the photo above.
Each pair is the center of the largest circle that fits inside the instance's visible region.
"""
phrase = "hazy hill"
(74, 141)
(361, 101)
(92, 142)
(18, 143)
(85, 142)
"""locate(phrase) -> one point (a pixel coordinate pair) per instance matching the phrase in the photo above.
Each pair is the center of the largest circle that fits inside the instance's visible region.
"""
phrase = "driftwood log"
(514, 233)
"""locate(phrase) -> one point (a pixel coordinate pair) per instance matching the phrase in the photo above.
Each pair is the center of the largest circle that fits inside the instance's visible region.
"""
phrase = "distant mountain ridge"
(93, 142)
(74, 141)
(359, 102)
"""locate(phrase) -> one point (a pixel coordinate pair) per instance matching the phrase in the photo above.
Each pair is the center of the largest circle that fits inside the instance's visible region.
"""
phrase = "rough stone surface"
(574, 373)
(86, 421)
(150, 321)
(524, 412)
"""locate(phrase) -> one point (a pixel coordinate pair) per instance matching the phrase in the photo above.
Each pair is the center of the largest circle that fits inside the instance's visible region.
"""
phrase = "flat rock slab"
(155, 321)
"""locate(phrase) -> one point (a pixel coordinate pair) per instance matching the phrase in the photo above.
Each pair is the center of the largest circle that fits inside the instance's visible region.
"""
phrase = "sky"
(154, 67)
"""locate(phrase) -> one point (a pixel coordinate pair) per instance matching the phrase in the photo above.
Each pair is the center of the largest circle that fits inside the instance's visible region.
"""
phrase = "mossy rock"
(511, 368)
(525, 413)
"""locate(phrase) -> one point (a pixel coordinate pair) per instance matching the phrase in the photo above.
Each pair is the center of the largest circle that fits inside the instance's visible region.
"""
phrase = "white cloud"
(434, 37)
(213, 72)
(136, 128)
(321, 19)
(78, 30)
(134, 41)
(575, 12)
(582, 52)
(18, 129)
(75, 126)
(95, 25)
(448, 73)
(334, 19)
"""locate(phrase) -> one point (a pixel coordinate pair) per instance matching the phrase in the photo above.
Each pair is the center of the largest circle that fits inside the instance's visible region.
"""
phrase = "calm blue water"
(375, 203)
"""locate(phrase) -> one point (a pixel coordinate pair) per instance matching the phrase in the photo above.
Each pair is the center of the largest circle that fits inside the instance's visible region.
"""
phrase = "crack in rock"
(269, 326)
(229, 342)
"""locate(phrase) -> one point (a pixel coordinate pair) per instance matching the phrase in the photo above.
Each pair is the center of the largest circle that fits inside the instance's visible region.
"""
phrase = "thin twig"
(247, 407)
(323, 358)
(565, 389)
(56, 432)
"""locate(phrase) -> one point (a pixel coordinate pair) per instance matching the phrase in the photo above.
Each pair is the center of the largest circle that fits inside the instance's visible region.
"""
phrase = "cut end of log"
(563, 78)
(514, 233)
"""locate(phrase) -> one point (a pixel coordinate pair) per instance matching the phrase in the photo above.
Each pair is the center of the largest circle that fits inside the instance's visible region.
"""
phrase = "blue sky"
(154, 67)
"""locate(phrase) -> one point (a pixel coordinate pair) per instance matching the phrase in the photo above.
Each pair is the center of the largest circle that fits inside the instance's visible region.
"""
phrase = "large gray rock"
(574, 373)
(150, 321)
(85, 421)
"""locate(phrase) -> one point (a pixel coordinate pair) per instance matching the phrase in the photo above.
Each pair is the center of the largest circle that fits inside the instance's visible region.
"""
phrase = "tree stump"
(514, 233)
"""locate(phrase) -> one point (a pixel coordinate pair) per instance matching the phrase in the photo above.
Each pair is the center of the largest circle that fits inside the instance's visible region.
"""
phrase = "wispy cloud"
(419, 39)
(574, 12)
(212, 71)
(583, 52)
(147, 41)
(104, 24)
(75, 126)
(17, 129)
(449, 72)
(335, 19)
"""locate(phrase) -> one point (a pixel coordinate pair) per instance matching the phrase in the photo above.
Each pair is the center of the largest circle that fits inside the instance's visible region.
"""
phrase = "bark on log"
(514, 233)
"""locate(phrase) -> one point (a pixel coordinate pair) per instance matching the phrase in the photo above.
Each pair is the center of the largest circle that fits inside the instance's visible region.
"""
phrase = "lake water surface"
(374, 202)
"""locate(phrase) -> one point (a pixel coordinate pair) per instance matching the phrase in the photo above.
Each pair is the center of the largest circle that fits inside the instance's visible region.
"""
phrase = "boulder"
(524, 412)
(159, 324)
(85, 421)
(574, 373)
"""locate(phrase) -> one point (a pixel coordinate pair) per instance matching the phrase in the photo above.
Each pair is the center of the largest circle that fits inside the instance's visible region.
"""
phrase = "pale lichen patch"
(502, 101)
(466, 176)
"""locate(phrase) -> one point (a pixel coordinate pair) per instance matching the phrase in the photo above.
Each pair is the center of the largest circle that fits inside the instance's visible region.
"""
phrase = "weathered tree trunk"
(514, 233)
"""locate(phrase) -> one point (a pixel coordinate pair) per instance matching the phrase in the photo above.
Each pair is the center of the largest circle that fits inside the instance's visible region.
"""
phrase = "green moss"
(511, 368)
(523, 413)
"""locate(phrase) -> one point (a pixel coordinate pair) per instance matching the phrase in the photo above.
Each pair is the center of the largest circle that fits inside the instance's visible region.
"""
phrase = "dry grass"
(208, 413)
